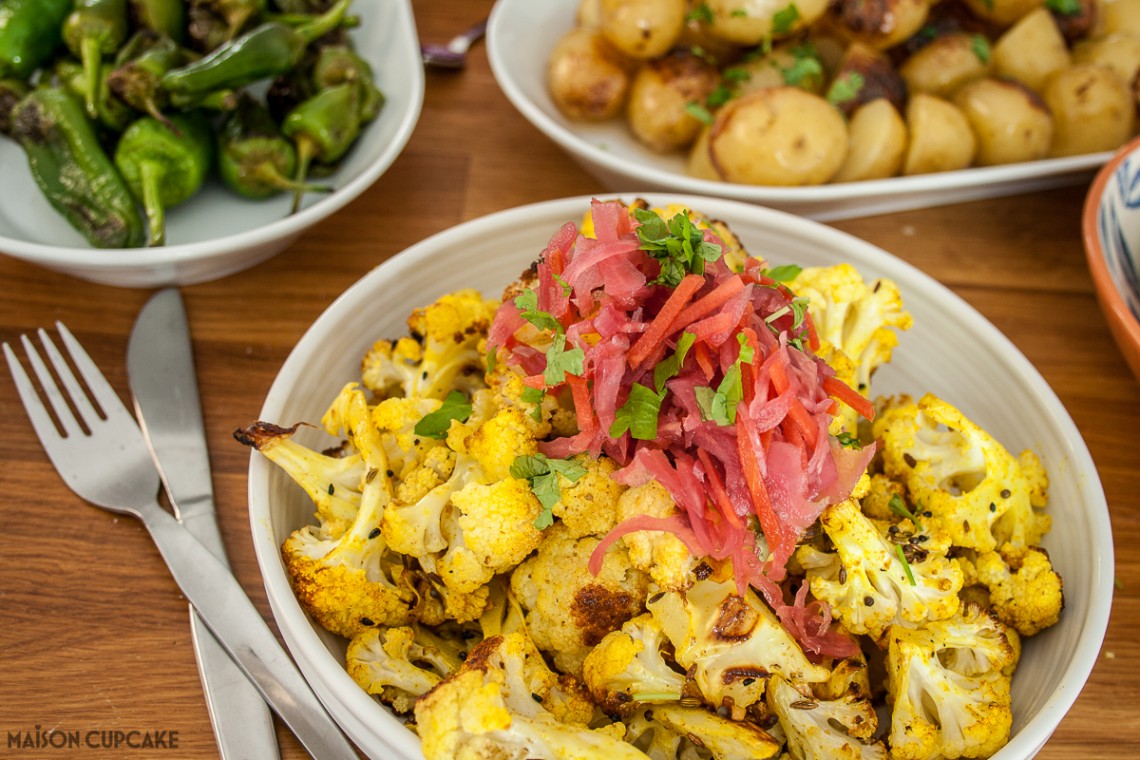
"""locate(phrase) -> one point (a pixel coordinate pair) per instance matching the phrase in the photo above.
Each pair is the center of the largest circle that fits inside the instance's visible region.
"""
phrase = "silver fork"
(102, 456)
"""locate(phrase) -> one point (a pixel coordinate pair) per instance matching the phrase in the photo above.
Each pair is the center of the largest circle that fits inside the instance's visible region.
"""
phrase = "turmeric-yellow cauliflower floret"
(662, 555)
(958, 472)
(499, 440)
(1024, 590)
(495, 532)
(569, 609)
(588, 506)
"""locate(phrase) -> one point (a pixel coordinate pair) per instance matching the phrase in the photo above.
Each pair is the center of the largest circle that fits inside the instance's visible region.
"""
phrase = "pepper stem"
(268, 174)
(325, 23)
(305, 150)
(150, 176)
(92, 57)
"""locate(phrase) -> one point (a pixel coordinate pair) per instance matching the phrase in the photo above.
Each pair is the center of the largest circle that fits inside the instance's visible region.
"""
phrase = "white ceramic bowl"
(952, 351)
(217, 232)
(1111, 225)
(521, 34)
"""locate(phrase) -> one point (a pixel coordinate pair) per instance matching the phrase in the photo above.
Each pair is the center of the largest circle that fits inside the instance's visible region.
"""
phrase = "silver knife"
(160, 367)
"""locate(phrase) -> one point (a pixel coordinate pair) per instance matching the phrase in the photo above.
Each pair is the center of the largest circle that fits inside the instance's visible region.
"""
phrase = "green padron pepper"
(254, 158)
(12, 92)
(94, 29)
(265, 51)
(323, 128)
(166, 18)
(110, 112)
(338, 64)
(74, 173)
(138, 81)
(165, 167)
(30, 32)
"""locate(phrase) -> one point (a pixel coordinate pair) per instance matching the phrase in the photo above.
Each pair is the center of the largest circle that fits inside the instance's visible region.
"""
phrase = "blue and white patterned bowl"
(1111, 225)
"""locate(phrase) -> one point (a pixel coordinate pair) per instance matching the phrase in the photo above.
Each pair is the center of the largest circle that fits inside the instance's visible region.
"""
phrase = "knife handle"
(239, 627)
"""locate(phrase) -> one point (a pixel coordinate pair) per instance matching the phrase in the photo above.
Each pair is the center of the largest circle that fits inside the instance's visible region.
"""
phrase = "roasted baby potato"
(876, 143)
(586, 78)
(1011, 122)
(779, 136)
(1031, 50)
(660, 96)
(1003, 13)
(946, 63)
(940, 136)
(865, 74)
(880, 24)
(751, 22)
(1092, 109)
(642, 29)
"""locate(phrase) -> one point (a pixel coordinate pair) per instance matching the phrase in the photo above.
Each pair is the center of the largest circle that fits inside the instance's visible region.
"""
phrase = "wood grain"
(94, 634)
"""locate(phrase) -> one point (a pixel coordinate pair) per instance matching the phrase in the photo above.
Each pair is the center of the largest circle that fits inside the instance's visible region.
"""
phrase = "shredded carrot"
(535, 381)
(659, 328)
(719, 494)
(813, 336)
(761, 503)
(848, 395)
(583, 406)
(704, 359)
(804, 422)
(709, 303)
(714, 325)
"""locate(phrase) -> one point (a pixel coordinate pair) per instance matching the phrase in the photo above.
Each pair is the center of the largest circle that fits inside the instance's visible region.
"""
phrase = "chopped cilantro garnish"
(845, 87)
(534, 396)
(849, 440)
(542, 474)
(896, 505)
(905, 564)
(699, 112)
(561, 362)
(700, 13)
(803, 69)
(638, 414)
(566, 287)
(1064, 7)
(436, 424)
(981, 47)
(527, 304)
(678, 244)
(720, 405)
(671, 365)
(784, 272)
(719, 96)
(785, 18)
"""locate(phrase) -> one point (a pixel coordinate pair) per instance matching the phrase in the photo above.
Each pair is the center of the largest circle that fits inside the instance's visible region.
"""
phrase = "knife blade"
(160, 368)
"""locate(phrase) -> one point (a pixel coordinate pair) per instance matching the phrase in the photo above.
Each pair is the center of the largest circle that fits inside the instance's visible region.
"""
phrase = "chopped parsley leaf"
(678, 244)
(638, 414)
(436, 424)
(845, 87)
(542, 473)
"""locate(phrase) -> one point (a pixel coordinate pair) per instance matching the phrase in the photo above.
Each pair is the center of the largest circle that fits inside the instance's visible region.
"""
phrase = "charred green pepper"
(12, 92)
(323, 128)
(30, 31)
(74, 173)
(234, 13)
(254, 158)
(94, 29)
(163, 167)
(338, 64)
(138, 82)
(166, 18)
(267, 50)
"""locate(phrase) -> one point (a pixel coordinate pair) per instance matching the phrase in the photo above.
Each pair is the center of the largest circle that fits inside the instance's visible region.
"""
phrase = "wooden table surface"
(93, 632)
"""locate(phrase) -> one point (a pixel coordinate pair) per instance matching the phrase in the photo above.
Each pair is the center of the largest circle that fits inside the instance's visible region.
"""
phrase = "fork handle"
(236, 623)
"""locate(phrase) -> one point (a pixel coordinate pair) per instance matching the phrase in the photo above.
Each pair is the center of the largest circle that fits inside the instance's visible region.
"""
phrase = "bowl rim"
(286, 228)
(1115, 308)
(569, 140)
(301, 634)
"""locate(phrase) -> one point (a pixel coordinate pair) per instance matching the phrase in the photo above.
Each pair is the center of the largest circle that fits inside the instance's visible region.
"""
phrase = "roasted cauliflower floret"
(545, 413)
(442, 356)
(588, 506)
(664, 556)
(1024, 590)
(958, 472)
(868, 585)
(627, 668)
(499, 441)
(346, 583)
(505, 703)
(416, 527)
(730, 644)
(818, 729)
(949, 687)
(568, 609)
(396, 419)
(492, 531)
(392, 664)
(669, 731)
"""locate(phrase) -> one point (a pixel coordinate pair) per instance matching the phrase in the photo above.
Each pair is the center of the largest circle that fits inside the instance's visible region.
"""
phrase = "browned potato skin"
(880, 24)
(1078, 26)
(946, 64)
(586, 78)
(1092, 109)
(1011, 121)
(781, 136)
(642, 29)
(662, 89)
(880, 78)
(1120, 52)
